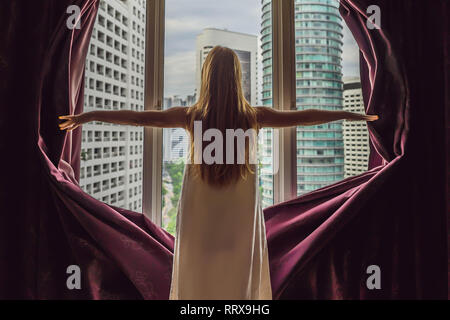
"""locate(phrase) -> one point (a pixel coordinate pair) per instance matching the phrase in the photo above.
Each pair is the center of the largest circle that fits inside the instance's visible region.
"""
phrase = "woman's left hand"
(351, 116)
(72, 122)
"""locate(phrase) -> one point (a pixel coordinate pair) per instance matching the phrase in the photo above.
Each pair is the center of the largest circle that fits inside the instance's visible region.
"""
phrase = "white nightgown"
(220, 249)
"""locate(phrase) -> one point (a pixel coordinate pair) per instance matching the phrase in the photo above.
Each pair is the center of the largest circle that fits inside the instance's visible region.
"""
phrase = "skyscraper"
(111, 156)
(318, 48)
(266, 177)
(175, 145)
(356, 135)
(246, 48)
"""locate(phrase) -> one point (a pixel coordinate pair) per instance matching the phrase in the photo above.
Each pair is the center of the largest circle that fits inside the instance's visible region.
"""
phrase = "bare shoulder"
(177, 110)
(264, 115)
(261, 111)
(174, 117)
(180, 115)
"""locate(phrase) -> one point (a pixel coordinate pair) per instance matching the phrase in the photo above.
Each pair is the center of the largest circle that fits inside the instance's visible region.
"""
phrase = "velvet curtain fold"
(320, 244)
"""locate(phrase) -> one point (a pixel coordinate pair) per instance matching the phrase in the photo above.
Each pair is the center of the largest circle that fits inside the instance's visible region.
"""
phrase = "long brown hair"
(222, 105)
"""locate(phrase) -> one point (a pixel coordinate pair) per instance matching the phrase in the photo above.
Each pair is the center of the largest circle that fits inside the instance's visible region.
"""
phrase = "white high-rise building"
(175, 146)
(356, 136)
(246, 48)
(111, 160)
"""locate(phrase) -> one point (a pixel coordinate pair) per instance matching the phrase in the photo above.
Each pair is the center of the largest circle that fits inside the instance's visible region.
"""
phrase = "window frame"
(284, 97)
(153, 97)
(283, 93)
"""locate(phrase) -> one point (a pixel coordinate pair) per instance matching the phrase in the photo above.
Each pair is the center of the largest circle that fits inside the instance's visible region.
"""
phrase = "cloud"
(182, 25)
(350, 54)
(179, 73)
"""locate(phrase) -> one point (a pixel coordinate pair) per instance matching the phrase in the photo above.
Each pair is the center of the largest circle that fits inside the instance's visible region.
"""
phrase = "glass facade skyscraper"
(318, 38)
(318, 50)
(266, 177)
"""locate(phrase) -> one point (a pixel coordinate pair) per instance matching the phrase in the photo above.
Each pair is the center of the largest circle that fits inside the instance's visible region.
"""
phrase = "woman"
(220, 249)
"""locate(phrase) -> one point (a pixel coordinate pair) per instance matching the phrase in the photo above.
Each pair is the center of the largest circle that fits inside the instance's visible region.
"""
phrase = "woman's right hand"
(73, 121)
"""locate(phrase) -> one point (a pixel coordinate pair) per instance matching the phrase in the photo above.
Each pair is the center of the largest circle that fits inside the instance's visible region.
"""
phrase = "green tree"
(164, 192)
(171, 225)
(175, 171)
(172, 212)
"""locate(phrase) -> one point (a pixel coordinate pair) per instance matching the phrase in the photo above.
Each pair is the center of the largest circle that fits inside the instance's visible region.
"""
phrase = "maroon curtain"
(48, 223)
(394, 215)
(320, 244)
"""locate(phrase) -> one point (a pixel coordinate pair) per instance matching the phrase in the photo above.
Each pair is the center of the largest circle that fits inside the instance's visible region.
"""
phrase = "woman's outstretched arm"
(268, 117)
(171, 118)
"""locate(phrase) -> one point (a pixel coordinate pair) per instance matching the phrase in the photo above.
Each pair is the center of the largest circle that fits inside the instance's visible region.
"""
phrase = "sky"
(186, 19)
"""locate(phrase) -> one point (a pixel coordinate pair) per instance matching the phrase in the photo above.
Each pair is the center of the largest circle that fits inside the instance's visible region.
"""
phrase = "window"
(185, 52)
(321, 40)
(303, 70)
